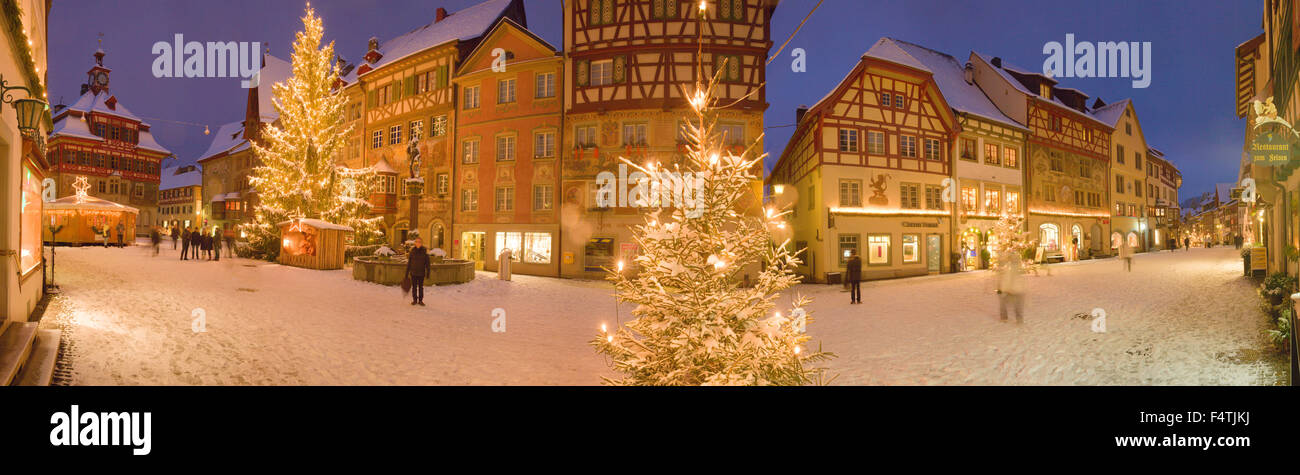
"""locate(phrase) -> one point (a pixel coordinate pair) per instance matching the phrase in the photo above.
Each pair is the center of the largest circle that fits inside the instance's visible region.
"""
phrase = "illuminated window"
(1013, 202)
(1049, 237)
(848, 246)
(1011, 157)
(911, 248)
(991, 154)
(29, 249)
(969, 199)
(878, 249)
(992, 200)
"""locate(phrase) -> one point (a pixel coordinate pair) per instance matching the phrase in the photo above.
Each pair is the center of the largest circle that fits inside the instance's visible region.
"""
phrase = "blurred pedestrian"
(1126, 254)
(853, 275)
(154, 239)
(1011, 289)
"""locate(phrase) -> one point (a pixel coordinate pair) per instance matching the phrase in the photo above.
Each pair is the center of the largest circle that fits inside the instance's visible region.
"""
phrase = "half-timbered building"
(1163, 181)
(1068, 151)
(1129, 221)
(403, 91)
(865, 171)
(627, 64)
(98, 138)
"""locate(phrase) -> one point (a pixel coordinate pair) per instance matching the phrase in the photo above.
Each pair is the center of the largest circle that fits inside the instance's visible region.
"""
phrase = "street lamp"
(29, 111)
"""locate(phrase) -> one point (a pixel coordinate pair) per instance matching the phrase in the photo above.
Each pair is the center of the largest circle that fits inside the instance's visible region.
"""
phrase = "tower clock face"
(102, 78)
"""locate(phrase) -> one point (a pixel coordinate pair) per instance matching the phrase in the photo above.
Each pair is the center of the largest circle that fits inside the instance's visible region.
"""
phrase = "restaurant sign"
(1270, 148)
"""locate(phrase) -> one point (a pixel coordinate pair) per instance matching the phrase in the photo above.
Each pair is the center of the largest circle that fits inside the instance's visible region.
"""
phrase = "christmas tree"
(1009, 240)
(695, 324)
(297, 177)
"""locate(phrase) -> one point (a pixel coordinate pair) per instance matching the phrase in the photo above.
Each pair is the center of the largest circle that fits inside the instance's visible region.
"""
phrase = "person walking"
(1126, 254)
(1187, 244)
(1011, 289)
(185, 244)
(176, 234)
(154, 239)
(853, 276)
(417, 266)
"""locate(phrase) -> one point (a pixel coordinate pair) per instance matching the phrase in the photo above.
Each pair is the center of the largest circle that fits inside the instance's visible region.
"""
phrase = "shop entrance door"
(472, 248)
(933, 253)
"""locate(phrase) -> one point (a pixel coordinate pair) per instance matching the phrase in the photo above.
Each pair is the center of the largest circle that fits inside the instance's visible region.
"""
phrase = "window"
(1049, 237)
(1138, 191)
(878, 249)
(848, 140)
(933, 151)
(1056, 124)
(907, 145)
(933, 197)
(848, 247)
(851, 193)
(537, 248)
(387, 184)
(545, 85)
(969, 201)
(513, 242)
(1137, 160)
(469, 151)
(909, 196)
(601, 12)
(634, 134)
(734, 133)
(376, 139)
(967, 149)
(584, 136)
(875, 142)
(1045, 90)
(471, 97)
(1119, 183)
(505, 148)
(469, 199)
(439, 126)
(544, 145)
(1013, 202)
(991, 154)
(443, 184)
(1128, 128)
(911, 248)
(1011, 157)
(1085, 170)
(30, 250)
(664, 9)
(602, 73)
(394, 134)
(1119, 154)
(886, 99)
(731, 10)
(505, 198)
(992, 200)
(505, 91)
(417, 129)
(1056, 166)
(543, 197)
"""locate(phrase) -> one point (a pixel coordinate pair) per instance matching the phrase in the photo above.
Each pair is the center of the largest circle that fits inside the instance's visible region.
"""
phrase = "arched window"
(1116, 239)
(1049, 237)
(435, 237)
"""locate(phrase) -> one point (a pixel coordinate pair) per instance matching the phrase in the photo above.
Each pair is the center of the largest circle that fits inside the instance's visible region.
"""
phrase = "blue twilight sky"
(1187, 111)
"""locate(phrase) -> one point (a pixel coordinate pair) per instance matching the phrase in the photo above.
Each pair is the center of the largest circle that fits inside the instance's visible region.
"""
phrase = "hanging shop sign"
(1270, 148)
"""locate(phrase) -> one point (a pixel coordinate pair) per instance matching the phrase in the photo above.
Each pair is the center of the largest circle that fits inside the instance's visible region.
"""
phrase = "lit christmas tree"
(695, 324)
(1009, 241)
(297, 177)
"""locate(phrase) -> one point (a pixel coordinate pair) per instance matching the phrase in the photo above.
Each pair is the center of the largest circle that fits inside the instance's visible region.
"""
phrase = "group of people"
(200, 242)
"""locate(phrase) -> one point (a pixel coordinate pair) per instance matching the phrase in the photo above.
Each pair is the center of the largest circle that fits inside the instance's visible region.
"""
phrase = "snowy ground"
(1179, 318)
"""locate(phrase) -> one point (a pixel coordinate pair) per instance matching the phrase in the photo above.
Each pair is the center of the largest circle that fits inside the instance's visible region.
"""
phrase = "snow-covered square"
(1179, 318)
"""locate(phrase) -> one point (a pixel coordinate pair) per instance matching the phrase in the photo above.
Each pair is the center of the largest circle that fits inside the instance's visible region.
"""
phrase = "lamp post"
(29, 110)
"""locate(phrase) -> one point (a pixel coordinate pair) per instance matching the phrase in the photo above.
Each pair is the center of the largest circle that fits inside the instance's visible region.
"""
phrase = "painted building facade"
(508, 132)
(1128, 177)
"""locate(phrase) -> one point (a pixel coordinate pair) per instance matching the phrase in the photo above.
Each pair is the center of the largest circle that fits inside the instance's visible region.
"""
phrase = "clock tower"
(97, 77)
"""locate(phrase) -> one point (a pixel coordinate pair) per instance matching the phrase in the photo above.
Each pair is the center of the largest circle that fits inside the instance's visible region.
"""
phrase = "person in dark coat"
(417, 266)
(216, 244)
(154, 239)
(205, 244)
(185, 244)
(176, 234)
(120, 231)
(195, 241)
(854, 277)
(1187, 244)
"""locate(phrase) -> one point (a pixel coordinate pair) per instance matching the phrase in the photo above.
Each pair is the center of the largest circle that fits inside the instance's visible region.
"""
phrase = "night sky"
(1187, 112)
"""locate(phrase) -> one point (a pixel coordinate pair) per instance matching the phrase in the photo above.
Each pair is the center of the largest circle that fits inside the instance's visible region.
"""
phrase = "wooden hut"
(312, 243)
(81, 218)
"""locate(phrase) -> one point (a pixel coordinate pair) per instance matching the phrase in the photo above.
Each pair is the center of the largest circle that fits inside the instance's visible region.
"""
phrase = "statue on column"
(413, 155)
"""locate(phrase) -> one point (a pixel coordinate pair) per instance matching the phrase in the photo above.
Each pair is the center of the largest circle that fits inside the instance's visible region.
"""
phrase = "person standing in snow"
(1187, 244)
(216, 243)
(417, 266)
(1011, 289)
(853, 275)
(120, 231)
(176, 234)
(195, 240)
(1126, 254)
(154, 239)
(185, 244)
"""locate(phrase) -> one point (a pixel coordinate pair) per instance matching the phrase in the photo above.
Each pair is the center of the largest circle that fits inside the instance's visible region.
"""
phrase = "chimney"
(442, 14)
(997, 62)
(1097, 104)
(372, 51)
(798, 114)
(968, 73)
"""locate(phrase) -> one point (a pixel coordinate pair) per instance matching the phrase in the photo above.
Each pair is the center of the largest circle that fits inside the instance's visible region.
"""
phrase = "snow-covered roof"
(276, 70)
(465, 24)
(1110, 113)
(147, 142)
(1224, 190)
(70, 126)
(318, 224)
(889, 50)
(232, 196)
(172, 177)
(227, 138)
(382, 166)
(91, 203)
(951, 77)
(101, 107)
(1002, 71)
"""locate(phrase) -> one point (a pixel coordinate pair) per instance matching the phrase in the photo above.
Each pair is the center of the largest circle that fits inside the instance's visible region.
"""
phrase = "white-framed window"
(911, 248)
(878, 249)
(544, 144)
(909, 195)
(505, 91)
(851, 193)
(584, 136)
(907, 145)
(848, 140)
(469, 199)
(416, 128)
(602, 73)
(543, 197)
(933, 197)
(848, 246)
(471, 97)
(505, 198)
(438, 125)
(469, 151)
(875, 142)
(376, 138)
(505, 148)
(394, 134)
(388, 184)
(634, 134)
(734, 133)
(933, 151)
(545, 85)
(443, 185)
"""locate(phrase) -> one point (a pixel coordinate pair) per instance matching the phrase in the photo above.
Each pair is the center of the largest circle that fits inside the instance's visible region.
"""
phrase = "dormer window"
(1045, 90)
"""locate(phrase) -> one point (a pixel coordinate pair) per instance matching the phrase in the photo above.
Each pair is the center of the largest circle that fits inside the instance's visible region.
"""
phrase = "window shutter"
(620, 69)
(372, 97)
(738, 11)
(594, 10)
(410, 85)
(442, 76)
(582, 72)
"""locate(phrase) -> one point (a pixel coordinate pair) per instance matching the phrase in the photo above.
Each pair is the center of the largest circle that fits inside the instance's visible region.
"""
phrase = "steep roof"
(1110, 113)
(464, 24)
(951, 78)
(73, 127)
(274, 71)
(1002, 71)
(227, 138)
(172, 177)
(889, 50)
